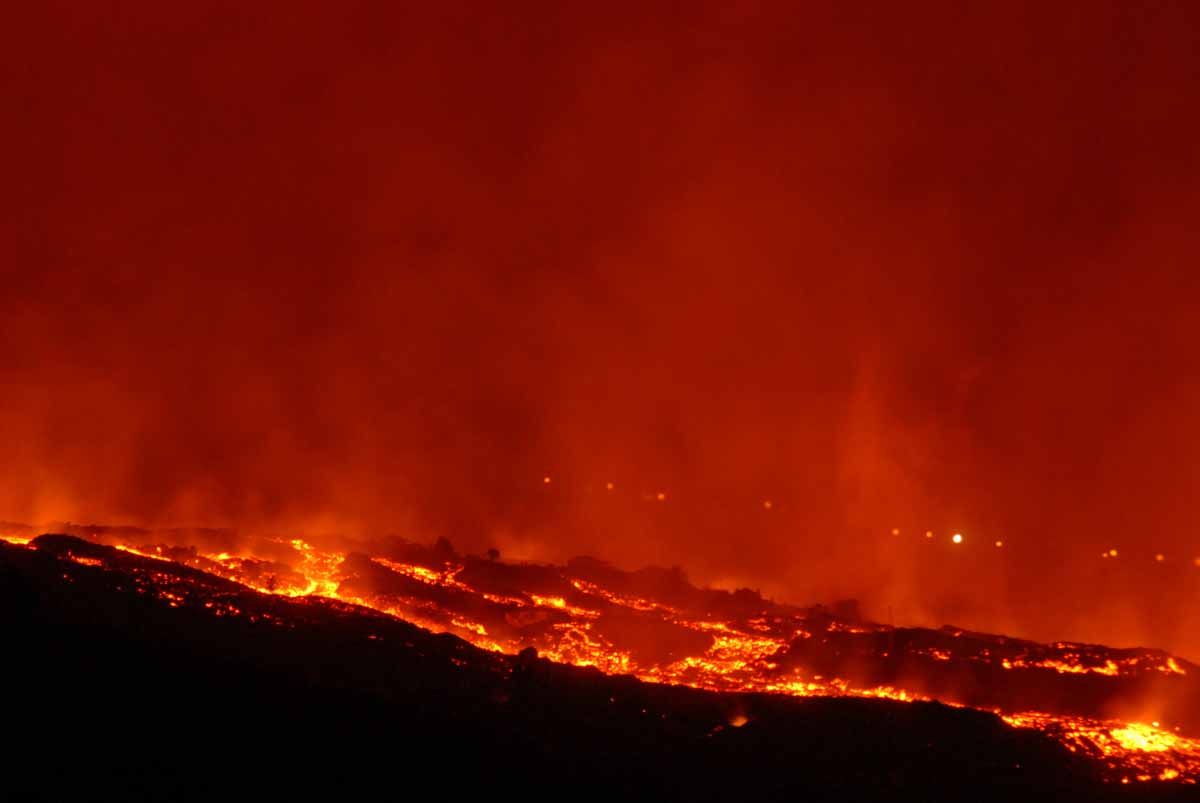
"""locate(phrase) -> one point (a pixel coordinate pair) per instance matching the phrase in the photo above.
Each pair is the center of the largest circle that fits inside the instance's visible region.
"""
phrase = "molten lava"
(656, 626)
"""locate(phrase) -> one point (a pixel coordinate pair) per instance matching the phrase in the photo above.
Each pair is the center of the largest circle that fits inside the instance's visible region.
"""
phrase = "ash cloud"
(382, 270)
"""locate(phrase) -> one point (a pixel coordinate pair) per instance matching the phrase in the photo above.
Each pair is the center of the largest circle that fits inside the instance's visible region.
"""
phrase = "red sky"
(376, 267)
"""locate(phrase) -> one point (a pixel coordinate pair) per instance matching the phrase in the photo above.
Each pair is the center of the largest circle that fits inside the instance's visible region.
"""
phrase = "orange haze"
(383, 267)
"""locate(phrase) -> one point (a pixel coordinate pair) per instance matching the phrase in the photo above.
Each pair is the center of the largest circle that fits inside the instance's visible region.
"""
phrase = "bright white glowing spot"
(1155, 724)
(956, 538)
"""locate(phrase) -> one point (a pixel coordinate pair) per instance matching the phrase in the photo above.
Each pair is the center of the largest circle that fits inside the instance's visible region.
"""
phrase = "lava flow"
(1137, 711)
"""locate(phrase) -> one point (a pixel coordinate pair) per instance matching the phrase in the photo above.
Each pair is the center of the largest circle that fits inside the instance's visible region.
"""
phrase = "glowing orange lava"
(740, 655)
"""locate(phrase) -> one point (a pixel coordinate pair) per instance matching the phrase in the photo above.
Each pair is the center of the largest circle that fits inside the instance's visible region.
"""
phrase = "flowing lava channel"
(739, 653)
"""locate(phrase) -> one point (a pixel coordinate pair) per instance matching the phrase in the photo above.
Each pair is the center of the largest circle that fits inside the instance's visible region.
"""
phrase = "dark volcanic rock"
(138, 679)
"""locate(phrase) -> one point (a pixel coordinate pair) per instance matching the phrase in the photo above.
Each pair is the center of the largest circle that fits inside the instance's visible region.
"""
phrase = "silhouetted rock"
(140, 679)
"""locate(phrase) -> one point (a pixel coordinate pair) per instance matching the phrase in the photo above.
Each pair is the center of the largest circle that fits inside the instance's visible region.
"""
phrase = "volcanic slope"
(139, 679)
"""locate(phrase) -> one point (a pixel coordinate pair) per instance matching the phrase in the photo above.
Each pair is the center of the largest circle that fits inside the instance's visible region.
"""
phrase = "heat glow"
(743, 653)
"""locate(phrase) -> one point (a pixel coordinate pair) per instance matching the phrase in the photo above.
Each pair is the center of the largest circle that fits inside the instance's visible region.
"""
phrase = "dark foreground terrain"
(135, 679)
